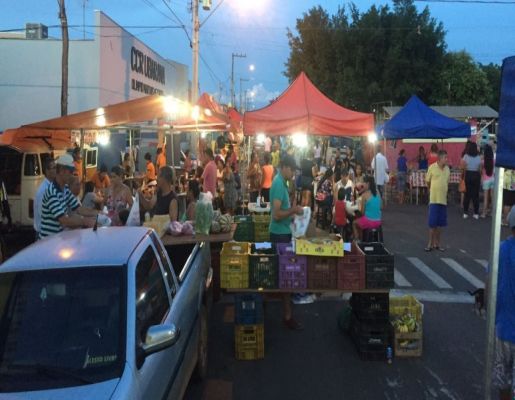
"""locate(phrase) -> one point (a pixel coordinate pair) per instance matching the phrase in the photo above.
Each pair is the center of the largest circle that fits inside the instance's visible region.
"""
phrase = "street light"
(252, 67)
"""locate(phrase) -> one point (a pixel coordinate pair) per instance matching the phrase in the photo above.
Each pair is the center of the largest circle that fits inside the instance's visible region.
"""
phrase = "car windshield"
(61, 327)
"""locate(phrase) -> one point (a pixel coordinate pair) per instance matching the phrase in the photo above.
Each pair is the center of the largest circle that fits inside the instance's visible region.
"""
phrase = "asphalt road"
(321, 362)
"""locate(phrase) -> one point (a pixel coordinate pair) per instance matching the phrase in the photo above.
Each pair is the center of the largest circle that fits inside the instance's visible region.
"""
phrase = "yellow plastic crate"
(261, 218)
(406, 305)
(325, 247)
(234, 265)
(249, 342)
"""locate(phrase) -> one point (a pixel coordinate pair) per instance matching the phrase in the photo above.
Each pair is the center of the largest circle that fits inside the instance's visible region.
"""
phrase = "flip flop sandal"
(428, 249)
(439, 248)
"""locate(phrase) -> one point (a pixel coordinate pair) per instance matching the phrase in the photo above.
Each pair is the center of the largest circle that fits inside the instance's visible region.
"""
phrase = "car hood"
(97, 391)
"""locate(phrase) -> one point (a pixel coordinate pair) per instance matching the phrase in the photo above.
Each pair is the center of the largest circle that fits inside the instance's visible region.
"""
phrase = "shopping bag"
(134, 218)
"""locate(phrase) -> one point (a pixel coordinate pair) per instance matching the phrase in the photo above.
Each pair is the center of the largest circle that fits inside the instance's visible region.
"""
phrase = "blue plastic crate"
(248, 309)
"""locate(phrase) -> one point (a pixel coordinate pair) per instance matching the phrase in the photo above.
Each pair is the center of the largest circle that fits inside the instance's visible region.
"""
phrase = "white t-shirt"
(38, 204)
(268, 144)
(380, 167)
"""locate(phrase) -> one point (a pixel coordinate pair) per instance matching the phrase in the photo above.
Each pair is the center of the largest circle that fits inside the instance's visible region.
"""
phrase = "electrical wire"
(179, 21)
(468, 1)
(100, 26)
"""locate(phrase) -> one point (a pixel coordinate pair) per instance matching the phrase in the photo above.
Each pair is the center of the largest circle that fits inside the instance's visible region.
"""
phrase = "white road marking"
(435, 296)
(459, 269)
(433, 276)
(400, 280)
(484, 263)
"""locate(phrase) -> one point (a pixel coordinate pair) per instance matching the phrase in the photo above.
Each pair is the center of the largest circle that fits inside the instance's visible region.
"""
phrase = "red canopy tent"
(302, 108)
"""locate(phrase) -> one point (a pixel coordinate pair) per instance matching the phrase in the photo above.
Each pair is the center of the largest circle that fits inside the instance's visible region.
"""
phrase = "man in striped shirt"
(58, 199)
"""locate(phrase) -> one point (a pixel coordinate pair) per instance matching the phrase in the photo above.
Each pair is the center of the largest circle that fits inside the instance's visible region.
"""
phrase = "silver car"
(102, 315)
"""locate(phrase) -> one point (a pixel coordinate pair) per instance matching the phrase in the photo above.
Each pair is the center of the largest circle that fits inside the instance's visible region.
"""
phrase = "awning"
(417, 121)
(302, 108)
(35, 139)
(506, 136)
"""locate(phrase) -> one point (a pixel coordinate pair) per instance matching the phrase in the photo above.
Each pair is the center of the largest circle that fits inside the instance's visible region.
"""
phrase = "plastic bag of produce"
(187, 228)
(204, 213)
(301, 222)
(134, 216)
(175, 228)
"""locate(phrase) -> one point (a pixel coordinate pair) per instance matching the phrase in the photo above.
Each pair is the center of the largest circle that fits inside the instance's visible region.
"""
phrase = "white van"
(22, 171)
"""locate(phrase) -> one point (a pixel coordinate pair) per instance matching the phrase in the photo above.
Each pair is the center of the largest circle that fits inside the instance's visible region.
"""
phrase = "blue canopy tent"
(505, 158)
(417, 121)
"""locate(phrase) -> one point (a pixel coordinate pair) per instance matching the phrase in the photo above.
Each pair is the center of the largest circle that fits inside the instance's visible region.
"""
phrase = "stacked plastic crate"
(263, 268)
(370, 326)
(234, 265)
(379, 266)
(249, 331)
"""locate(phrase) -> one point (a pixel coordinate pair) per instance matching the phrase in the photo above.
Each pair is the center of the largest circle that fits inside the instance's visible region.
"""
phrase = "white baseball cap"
(65, 160)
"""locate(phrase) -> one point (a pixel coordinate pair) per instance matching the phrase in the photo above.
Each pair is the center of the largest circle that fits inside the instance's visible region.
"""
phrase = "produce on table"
(215, 227)
(406, 324)
(203, 214)
(226, 222)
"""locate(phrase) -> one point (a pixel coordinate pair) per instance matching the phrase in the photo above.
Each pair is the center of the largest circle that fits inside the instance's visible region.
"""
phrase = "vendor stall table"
(169, 240)
(335, 291)
(215, 241)
(417, 179)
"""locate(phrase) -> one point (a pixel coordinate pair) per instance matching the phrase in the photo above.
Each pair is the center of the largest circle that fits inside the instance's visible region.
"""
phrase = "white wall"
(30, 79)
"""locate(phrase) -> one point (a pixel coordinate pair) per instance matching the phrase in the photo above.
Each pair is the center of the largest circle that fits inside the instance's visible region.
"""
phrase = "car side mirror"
(160, 337)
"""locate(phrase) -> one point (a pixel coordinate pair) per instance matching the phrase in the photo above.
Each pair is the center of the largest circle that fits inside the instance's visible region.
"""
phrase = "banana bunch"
(406, 323)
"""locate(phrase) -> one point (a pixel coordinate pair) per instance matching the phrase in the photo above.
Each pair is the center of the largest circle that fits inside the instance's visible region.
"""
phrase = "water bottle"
(147, 217)
(389, 354)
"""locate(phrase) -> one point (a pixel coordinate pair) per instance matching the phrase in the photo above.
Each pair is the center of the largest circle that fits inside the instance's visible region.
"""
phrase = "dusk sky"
(258, 29)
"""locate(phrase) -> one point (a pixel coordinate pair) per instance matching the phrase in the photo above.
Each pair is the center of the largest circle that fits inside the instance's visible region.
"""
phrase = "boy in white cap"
(58, 199)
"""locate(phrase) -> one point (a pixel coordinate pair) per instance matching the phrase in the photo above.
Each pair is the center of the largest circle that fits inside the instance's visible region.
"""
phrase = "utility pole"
(64, 58)
(195, 48)
(241, 93)
(233, 100)
(84, 19)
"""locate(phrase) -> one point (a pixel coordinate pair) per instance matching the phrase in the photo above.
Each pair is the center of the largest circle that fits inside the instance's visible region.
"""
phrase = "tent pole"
(492, 279)
(81, 145)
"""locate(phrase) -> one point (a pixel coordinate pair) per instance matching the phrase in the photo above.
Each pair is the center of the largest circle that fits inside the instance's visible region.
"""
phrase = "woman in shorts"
(487, 179)
(370, 209)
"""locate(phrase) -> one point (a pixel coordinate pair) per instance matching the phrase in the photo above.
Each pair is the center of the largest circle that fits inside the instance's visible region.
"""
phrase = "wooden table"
(169, 240)
(417, 180)
(261, 290)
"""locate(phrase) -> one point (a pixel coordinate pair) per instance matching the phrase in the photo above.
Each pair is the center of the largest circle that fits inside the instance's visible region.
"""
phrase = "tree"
(362, 58)
(493, 74)
(464, 82)
(64, 58)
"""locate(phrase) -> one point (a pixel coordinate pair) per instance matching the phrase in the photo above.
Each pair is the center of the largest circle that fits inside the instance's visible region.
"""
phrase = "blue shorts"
(437, 215)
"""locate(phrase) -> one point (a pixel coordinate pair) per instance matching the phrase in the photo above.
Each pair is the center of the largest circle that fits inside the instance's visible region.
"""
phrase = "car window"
(152, 303)
(166, 265)
(61, 327)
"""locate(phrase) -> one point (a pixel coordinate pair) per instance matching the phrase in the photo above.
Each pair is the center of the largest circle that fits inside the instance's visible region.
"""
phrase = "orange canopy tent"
(302, 108)
(56, 132)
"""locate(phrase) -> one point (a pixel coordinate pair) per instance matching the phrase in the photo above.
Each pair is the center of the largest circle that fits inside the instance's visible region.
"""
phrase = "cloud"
(262, 96)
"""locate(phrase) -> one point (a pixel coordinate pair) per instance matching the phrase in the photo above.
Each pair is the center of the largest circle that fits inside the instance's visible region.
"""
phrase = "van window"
(44, 157)
(10, 167)
(32, 167)
(91, 158)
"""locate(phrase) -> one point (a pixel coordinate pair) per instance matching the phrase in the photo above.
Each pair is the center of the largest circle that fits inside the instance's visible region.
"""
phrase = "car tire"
(202, 352)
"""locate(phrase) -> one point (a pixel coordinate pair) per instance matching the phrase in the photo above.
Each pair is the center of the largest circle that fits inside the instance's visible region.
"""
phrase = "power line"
(215, 78)
(100, 26)
(179, 21)
(148, 3)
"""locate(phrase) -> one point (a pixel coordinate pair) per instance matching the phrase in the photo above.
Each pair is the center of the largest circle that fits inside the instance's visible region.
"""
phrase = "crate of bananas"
(408, 336)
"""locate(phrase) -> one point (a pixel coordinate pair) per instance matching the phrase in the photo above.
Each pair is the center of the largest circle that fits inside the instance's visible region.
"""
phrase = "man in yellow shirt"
(437, 179)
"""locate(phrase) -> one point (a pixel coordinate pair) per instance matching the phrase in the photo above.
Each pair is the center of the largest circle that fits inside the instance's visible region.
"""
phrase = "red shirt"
(432, 158)
(340, 215)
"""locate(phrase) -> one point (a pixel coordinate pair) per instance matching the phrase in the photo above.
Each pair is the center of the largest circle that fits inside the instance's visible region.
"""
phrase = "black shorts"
(306, 183)
(508, 197)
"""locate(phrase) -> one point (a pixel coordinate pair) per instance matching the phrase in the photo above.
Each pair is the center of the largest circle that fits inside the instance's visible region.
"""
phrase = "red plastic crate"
(293, 269)
(351, 270)
(322, 272)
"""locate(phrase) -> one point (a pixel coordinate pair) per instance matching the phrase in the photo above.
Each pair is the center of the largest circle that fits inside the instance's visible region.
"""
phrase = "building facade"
(111, 68)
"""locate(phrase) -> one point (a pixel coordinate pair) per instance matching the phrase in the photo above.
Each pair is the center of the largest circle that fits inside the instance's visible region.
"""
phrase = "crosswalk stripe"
(433, 276)
(484, 263)
(459, 269)
(400, 280)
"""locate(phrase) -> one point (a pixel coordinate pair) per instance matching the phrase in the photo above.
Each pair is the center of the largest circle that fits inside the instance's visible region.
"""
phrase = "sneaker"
(293, 325)
(302, 298)
(476, 216)
(465, 216)
(483, 215)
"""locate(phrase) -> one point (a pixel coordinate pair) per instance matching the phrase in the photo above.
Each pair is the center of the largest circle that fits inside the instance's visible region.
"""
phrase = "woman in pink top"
(209, 174)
